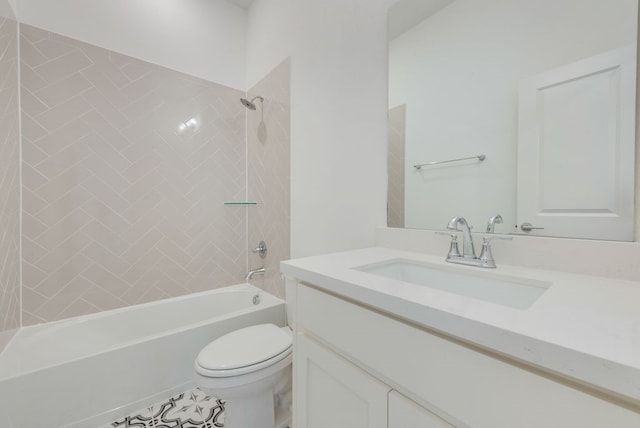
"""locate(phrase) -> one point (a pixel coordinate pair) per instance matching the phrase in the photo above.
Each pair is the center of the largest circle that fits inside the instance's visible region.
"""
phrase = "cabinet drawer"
(477, 389)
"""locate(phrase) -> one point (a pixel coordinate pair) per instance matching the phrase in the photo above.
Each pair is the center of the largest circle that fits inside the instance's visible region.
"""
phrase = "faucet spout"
(259, 271)
(491, 225)
(467, 241)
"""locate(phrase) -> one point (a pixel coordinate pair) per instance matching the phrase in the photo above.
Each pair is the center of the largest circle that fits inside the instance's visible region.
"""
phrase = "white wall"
(459, 74)
(270, 37)
(204, 38)
(338, 120)
(339, 125)
(7, 9)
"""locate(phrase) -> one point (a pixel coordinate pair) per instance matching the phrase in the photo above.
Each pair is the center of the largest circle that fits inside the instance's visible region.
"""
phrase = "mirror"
(458, 76)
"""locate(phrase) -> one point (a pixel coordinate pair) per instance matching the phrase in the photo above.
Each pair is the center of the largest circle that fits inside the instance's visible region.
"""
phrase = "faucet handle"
(453, 248)
(486, 257)
(261, 250)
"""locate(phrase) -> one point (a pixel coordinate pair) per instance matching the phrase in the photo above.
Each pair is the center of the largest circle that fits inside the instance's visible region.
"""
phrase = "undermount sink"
(515, 292)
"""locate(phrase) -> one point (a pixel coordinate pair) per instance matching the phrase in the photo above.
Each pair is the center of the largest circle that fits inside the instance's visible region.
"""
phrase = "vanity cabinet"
(353, 364)
(404, 413)
(331, 392)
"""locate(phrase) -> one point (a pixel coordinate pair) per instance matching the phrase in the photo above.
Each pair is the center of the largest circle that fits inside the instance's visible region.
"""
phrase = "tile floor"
(191, 409)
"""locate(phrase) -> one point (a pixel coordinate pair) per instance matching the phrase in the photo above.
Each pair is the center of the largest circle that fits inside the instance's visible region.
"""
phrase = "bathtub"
(88, 371)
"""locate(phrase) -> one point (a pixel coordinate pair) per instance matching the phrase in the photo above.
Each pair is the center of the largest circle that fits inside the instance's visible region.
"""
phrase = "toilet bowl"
(250, 369)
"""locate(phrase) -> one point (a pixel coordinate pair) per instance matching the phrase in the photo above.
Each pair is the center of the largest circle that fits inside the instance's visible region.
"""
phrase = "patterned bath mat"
(192, 409)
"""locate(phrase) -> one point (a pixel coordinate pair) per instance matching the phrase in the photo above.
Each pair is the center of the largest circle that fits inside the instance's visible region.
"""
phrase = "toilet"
(250, 369)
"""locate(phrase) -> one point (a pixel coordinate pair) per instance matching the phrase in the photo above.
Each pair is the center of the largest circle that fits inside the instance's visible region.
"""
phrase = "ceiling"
(408, 13)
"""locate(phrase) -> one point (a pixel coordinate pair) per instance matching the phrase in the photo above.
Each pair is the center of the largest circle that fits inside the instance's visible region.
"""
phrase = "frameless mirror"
(523, 108)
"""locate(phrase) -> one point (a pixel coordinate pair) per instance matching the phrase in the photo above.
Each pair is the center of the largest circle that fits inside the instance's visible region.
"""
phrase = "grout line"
(19, 71)
(246, 183)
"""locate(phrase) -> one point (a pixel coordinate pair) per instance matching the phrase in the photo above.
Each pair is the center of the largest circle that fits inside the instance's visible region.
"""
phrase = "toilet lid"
(245, 347)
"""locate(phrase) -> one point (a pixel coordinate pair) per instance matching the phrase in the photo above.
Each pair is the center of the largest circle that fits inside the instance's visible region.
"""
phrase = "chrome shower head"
(250, 103)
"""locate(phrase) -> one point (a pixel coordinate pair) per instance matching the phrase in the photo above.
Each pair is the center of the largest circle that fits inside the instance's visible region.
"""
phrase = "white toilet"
(250, 369)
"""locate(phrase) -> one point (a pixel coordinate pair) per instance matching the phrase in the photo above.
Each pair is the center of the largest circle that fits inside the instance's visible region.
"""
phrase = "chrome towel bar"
(479, 157)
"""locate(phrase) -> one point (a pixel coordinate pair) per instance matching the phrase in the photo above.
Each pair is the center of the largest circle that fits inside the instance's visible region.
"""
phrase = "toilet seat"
(244, 351)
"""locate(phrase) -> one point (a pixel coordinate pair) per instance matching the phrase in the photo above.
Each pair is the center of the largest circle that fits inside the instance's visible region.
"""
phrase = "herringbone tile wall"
(268, 141)
(396, 167)
(9, 179)
(126, 166)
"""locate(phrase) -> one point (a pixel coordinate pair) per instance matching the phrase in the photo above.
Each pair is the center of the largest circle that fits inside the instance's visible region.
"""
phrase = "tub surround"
(583, 328)
(396, 166)
(6, 336)
(126, 165)
(121, 204)
(268, 140)
(9, 180)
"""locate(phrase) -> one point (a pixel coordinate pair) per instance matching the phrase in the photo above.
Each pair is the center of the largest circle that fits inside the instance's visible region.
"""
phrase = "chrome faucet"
(468, 251)
(468, 256)
(491, 224)
(259, 271)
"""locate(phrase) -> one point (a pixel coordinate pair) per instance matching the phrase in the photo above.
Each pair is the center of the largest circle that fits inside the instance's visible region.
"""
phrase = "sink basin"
(514, 292)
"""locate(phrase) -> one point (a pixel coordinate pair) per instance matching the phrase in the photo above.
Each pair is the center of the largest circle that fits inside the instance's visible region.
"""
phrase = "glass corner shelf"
(241, 203)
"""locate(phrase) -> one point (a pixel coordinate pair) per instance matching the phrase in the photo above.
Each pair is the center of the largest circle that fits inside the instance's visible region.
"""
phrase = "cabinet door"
(404, 413)
(331, 392)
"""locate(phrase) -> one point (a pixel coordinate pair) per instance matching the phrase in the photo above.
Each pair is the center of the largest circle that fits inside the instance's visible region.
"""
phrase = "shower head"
(250, 103)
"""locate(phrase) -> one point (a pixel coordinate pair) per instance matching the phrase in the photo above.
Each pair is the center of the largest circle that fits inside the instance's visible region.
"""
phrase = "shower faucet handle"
(261, 250)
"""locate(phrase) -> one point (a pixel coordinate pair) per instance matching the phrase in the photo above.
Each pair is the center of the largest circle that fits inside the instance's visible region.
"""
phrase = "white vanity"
(380, 344)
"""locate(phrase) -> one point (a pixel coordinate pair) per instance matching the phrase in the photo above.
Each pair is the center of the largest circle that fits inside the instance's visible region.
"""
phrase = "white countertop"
(585, 328)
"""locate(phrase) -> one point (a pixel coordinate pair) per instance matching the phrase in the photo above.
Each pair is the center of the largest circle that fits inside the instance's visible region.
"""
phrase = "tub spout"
(259, 271)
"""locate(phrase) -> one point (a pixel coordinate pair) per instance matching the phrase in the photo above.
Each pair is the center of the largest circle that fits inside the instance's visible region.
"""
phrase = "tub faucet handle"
(261, 250)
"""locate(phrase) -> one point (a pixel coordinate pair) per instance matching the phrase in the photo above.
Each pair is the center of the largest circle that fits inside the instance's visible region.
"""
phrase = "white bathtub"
(87, 371)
